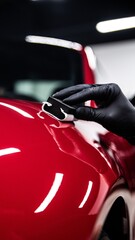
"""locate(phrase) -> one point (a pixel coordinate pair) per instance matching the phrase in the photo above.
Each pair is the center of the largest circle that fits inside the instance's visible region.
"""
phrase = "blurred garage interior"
(72, 20)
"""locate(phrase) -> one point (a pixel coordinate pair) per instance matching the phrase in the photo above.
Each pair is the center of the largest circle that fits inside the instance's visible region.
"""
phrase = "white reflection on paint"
(7, 151)
(86, 194)
(91, 57)
(20, 111)
(51, 194)
(53, 42)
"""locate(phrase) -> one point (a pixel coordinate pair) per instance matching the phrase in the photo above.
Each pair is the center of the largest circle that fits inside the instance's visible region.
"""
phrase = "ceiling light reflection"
(7, 151)
(51, 194)
(116, 25)
(20, 111)
(91, 57)
(53, 42)
(86, 194)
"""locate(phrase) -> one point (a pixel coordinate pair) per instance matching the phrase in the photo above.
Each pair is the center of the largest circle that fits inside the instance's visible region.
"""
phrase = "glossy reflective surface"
(59, 180)
(53, 182)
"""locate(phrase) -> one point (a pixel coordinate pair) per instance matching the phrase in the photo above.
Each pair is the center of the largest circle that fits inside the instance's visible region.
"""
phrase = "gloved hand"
(114, 111)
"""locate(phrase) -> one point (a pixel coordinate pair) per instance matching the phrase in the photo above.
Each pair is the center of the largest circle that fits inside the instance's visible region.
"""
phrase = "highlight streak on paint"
(7, 151)
(20, 111)
(86, 195)
(51, 194)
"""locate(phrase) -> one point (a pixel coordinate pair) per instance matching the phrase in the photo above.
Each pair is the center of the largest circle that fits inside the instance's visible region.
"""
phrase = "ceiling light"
(116, 25)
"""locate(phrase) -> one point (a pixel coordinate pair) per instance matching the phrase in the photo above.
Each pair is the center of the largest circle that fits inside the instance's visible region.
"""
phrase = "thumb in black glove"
(114, 111)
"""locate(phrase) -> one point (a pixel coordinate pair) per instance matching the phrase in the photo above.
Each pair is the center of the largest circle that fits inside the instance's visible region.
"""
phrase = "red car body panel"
(55, 182)
(88, 74)
(41, 156)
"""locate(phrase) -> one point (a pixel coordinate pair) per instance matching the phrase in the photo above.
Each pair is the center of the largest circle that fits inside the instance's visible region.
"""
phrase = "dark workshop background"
(73, 20)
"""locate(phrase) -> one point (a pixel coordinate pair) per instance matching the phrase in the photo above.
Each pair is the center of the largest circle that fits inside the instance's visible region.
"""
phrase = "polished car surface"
(55, 179)
(63, 180)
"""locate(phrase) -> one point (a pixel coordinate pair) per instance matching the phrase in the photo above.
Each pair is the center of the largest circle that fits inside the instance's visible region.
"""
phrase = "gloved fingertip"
(86, 113)
(81, 113)
(77, 114)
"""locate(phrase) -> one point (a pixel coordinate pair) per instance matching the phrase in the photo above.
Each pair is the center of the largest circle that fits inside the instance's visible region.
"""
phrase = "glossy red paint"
(60, 180)
(53, 181)
(124, 154)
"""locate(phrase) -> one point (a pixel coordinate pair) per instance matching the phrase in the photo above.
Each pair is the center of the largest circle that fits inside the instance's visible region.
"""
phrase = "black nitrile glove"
(114, 111)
